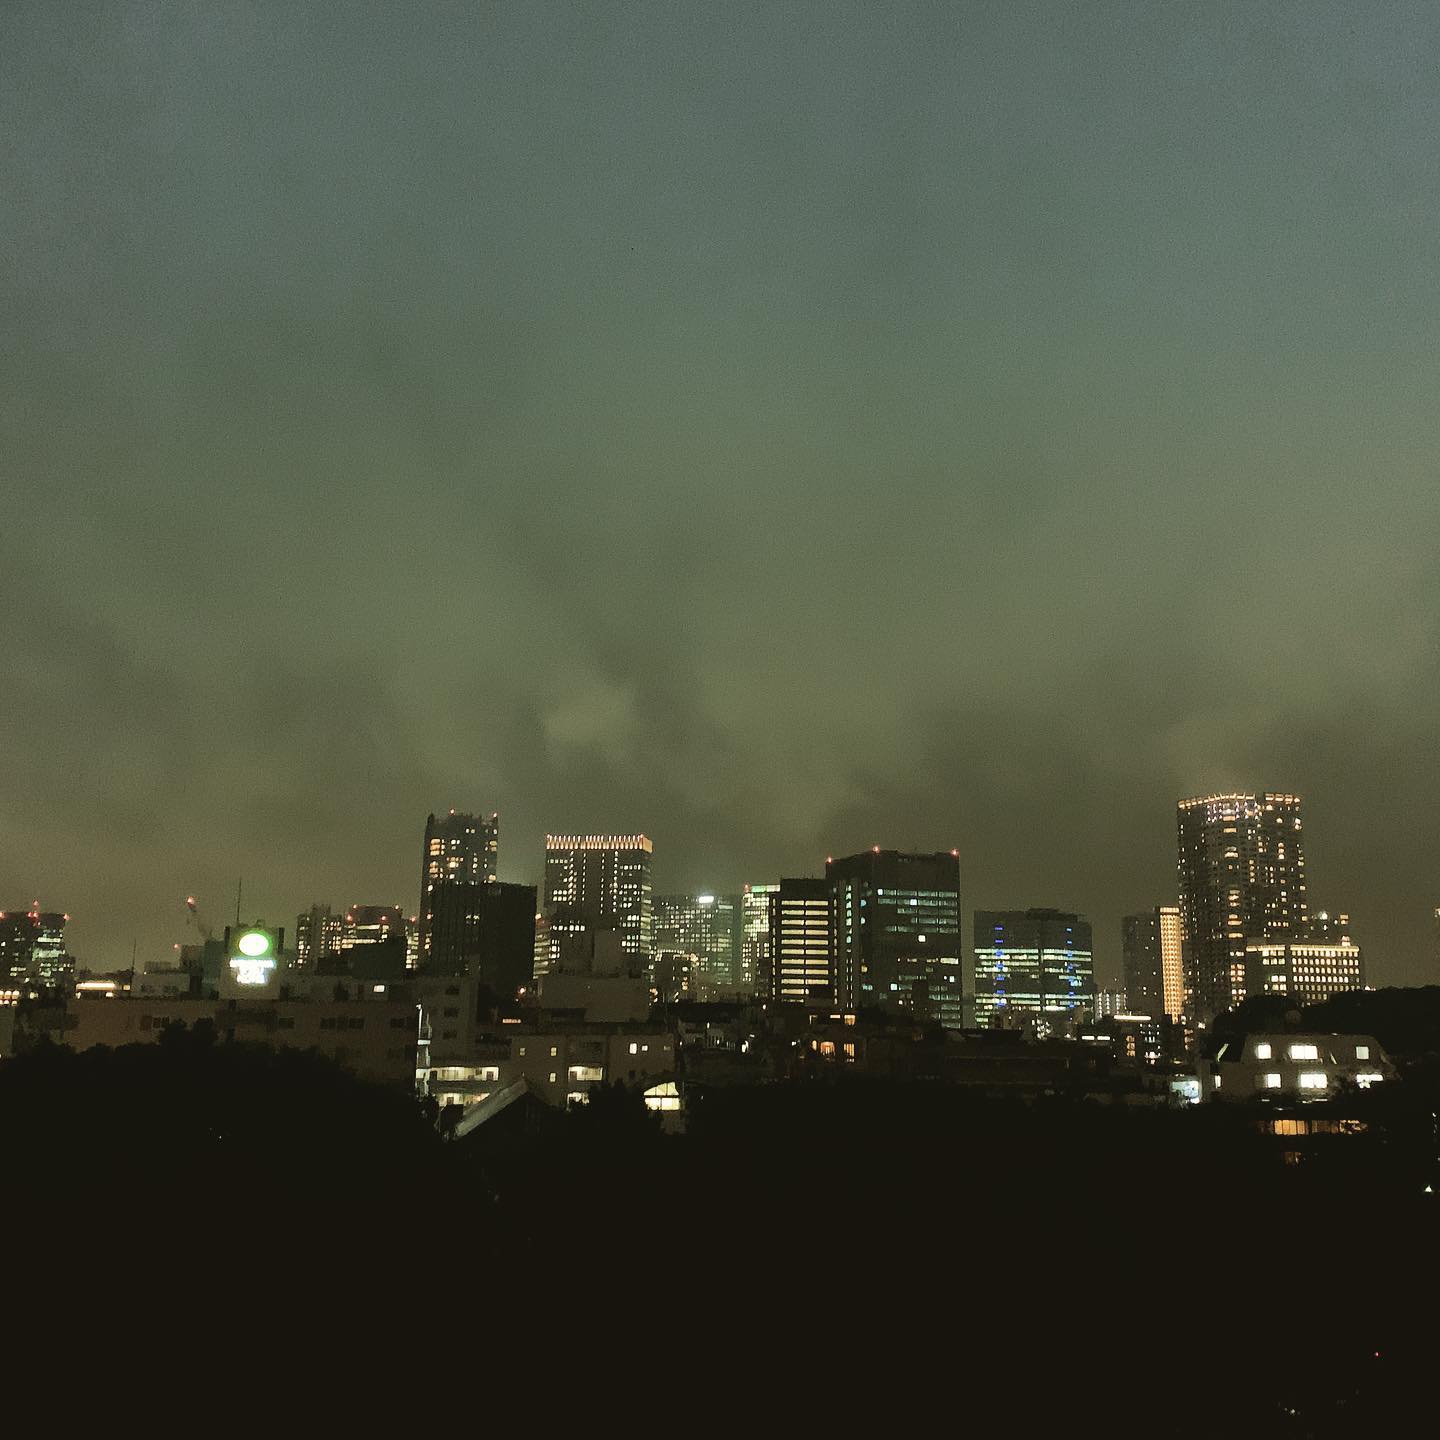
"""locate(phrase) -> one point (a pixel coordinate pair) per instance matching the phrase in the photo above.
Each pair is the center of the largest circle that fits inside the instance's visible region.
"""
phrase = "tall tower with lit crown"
(596, 884)
(1242, 877)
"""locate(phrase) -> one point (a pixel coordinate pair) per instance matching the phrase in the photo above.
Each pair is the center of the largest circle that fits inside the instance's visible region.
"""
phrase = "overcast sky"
(781, 428)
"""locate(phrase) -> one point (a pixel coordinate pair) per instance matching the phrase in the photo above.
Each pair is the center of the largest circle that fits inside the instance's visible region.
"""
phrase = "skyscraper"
(372, 924)
(1154, 983)
(1140, 951)
(802, 957)
(457, 847)
(1172, 965)
(1032, 965)
(1242, 878)
(707, 927)
(896, 925)
(596, 883)
(755, 939)
(32, 947)
(50, 960)
(483, 930)
(17, 942)
(318, 932)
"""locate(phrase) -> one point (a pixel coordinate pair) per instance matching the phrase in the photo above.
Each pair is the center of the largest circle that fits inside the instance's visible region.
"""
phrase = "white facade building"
(1293, 1067)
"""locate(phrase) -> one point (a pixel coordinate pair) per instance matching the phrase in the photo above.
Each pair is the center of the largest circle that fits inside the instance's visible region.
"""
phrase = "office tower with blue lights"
(1032, 967)
(898, 946)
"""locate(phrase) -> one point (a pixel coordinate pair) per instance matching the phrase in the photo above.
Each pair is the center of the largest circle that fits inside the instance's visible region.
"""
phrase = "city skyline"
(643, 638)
(824, 426)
(1109, 968)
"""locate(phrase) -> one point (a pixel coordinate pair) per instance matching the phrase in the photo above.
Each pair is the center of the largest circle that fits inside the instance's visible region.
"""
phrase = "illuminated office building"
(458, 847)
(32, 947)
(1032, 967)
(596, 884)
(755, 939)
(1154, 977)
(318, 932)
(1309, 969)
(674, 976)
(801, 962)
(707, 927)
(1242, 879)
(17, 942)
(50, 962)
(1110, 1003)
(896, 925)
(370, 925)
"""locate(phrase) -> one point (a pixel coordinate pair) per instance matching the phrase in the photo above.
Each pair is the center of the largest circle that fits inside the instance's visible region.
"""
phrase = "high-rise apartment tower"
(1242, 878)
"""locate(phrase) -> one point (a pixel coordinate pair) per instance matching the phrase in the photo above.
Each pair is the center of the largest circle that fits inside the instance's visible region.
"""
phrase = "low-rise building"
(1292, 1067)
(368, 1029)
(1138, 1039)
(467, 1053)
(559, 1060)
(9, 1001)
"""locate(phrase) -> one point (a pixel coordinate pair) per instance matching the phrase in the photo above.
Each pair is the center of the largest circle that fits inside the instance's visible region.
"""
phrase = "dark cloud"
(782, 430)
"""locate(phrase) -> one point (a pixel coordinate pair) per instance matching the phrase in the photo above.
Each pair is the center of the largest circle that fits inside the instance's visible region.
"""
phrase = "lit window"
(1262, 1050)
(1272, 1081)
(1304, 1052)
(1365, 1081)
(1313, 1079)
(1362, 1052)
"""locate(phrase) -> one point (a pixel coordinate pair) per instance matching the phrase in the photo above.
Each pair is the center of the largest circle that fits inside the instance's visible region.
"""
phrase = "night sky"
(779, 428)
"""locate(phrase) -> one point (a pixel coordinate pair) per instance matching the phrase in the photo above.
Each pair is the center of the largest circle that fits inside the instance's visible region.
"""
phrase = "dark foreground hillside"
(816, 1256)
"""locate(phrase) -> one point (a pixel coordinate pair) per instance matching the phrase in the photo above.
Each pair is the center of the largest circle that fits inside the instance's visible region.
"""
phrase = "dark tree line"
(864, 1253)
